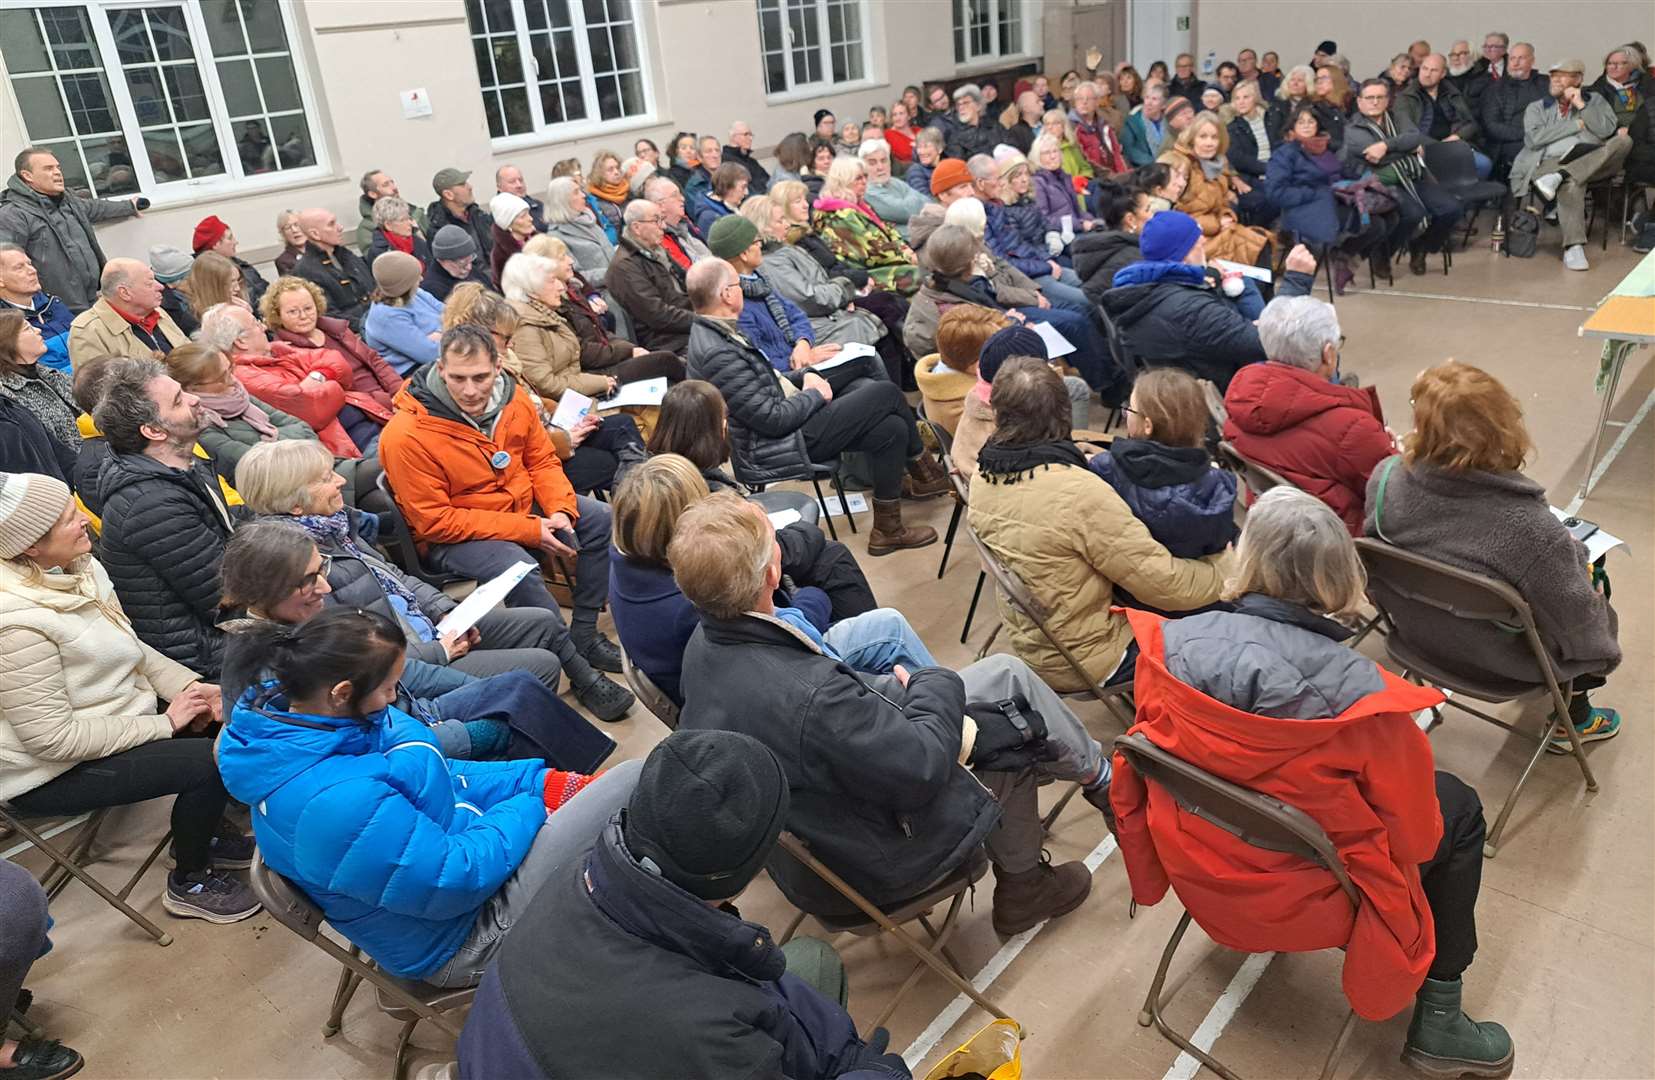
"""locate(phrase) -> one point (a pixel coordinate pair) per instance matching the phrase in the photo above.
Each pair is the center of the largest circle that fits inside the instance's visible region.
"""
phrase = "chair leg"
(144, 869)
(56, 876)
(792, 928)
(948, 540)
(1338, 1050)
(988, 642)
(1151, 1012)
(404, 1043)
(833, 533)
(1052, 814)
(342, 994)
(31, 1029)
(74, 870)
(1560, 703)
(971, 612)
(939, 941)
(844, 503)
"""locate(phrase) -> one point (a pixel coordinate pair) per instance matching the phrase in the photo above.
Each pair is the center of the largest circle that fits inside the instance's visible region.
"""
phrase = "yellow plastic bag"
(995, 1052)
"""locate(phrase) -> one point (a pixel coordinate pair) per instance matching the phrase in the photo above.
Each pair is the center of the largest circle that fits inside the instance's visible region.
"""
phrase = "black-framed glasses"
(311, 582)
(1130, 411)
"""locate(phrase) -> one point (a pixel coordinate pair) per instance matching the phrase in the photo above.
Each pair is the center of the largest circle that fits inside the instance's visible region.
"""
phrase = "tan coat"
(1206, 201)
(76, 684)
(942, 391)
(976, 425)
(1070, 538)
(549, 353)
(101, 331)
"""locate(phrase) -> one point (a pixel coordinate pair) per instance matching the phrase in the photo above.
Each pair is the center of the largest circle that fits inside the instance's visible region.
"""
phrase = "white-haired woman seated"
(570, 219)
(1266, 696)
(860, 236)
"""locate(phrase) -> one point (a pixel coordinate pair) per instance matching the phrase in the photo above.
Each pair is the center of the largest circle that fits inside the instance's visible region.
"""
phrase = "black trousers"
(592, 466)
(1442, 208)
(183, 767)
(655, 365)
(870, 416)
(1454, 875)
(1580, 706)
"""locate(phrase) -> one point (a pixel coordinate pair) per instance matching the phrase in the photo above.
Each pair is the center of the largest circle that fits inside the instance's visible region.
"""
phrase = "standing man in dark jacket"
(648, 284)
(343, 276)
(740, 150)
(56, 227)
(164, 523)
(1504, 103)
(455, 206)
(877, 764)
(649, 915)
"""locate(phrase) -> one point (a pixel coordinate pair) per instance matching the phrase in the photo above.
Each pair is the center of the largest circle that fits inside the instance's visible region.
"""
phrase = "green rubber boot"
(1443, 1041)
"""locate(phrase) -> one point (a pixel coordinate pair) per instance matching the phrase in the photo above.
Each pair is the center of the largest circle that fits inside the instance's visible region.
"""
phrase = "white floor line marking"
(992, 970)
(1220, 1015)
(1614, 451)
(1473, 299)
(47, 835)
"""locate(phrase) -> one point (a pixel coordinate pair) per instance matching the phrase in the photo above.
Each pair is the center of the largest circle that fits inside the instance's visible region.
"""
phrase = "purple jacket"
(1054, 193)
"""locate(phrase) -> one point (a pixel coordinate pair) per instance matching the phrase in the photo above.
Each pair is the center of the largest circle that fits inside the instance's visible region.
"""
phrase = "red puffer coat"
(1365, 776)
(372, 382)
(281, 380)
(1320, 436)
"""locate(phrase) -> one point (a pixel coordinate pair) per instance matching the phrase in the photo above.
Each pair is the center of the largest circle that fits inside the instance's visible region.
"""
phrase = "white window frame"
(543, 133)
(1028, 20)
(232, 180)
(825, 86)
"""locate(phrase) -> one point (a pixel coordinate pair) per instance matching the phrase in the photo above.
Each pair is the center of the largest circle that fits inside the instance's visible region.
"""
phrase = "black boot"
(1416, 261)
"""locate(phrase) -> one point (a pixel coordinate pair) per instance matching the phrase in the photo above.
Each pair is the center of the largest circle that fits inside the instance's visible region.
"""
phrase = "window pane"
(566, 62)
(264, 26)
(21, 45)
(89, 103)
(534, 13)
(508, 61)
(595, 12)
(70, 36)
(485, 62)
(201, 150)
(775, 73)
(111, 166)
(632, 94)
(770, 30)
(558, 12)
(223, 27)
(131, 36)
(189, 100)
(491, 109)
(165, 158)
(498, 13)
(625, 44)
(149, 97)
(609, 96)
(574, 101)
(241, 94)
(276, 79)
(42, 109)
(171, 37)
(293, 146)
(518, 117)
(603, 57)
(254, 148)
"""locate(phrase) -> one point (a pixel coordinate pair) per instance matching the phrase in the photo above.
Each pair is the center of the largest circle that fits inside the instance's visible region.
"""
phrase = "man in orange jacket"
(482, 488)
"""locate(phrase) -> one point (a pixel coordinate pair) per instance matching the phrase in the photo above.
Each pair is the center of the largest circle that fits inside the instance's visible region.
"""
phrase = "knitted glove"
(562, 786)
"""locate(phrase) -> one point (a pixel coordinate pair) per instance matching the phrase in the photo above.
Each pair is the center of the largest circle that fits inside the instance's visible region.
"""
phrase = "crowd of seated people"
(205, 473)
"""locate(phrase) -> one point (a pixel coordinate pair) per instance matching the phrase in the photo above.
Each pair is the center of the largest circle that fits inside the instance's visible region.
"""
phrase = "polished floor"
(1567, 956)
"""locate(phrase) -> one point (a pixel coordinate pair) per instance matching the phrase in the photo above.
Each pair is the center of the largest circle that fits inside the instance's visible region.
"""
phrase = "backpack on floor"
(1522, 233)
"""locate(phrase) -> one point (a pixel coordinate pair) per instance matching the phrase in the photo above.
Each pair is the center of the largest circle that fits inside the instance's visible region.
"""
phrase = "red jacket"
(1322, 437)
(280, 380)
(372, 383)
(1365, 776)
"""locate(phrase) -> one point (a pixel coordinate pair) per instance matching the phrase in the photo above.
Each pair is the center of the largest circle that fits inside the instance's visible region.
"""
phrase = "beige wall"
(1370, 33)
(361, 53)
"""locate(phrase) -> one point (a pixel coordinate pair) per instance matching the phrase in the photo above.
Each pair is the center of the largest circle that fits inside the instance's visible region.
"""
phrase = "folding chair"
(400, 543)
(1253, 818)
(400, 999)
(71, 863)
(945, 444)
(1399, 579)
(653, 697)
(810, 471)
(1124, 360)
(952, 889)
(1256, 477)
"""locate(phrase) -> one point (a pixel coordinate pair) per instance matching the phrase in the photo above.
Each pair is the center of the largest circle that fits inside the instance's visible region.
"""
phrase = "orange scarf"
(618, 193)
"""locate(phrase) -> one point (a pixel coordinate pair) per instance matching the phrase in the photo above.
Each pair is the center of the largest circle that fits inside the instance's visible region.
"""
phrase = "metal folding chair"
(401, 999)
(814, 473)
(652, 696)
(1404, 583)
(1257, 478)
(952, 890)
(70, 864)
(1252, 818)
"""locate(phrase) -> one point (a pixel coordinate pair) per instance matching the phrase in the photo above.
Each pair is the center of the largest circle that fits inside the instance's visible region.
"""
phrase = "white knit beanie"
(30, 504)
(505, 207)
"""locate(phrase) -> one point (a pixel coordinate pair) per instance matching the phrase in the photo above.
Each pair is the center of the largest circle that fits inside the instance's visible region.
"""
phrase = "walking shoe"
(1600, 724)
(1045, 892)
(42, 1059)
(600, 652)
(209, 895)
(229, 849)
(1574, 257)
(605, 699)
(1379, 265)
(890, 534)
(1645, 241)
(1547, 185)
(1443, 1041)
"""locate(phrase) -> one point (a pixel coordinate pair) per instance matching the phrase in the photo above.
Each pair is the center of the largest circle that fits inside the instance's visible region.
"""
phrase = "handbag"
(1522, 232)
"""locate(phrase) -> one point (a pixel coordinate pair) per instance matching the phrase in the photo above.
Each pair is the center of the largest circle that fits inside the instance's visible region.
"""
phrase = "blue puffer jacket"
(1188, 506)
(398, 845)
(51, 317)
(1304, 193)
(1002, 238)
(759, 322)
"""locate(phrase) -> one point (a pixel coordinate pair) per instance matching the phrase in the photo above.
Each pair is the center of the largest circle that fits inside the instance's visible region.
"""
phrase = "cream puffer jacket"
(76, 684)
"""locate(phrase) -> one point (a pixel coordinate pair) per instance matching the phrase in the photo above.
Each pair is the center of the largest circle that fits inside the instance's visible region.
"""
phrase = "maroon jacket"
(373, 381)
(1320, 436)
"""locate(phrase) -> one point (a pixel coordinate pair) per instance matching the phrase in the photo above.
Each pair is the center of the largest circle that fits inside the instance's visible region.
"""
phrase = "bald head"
(707, 284)
(1432, 69)
(741, 137)
(321, 228)
(130, 286)
(509, 178)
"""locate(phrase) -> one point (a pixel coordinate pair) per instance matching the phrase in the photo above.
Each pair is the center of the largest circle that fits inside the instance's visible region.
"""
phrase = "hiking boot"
(890, 534)
(926, 478)
(229, 849)
(42, 1059)
(1024, 900)
(605, 699)
(1343, 275)
(600, 652)
(1600, 724)
(209, 895)
(1443, 1041)
(1416, 262)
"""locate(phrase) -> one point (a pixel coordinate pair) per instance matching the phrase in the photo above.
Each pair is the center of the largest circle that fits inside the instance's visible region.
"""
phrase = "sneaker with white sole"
(209, 895)
(1547, 185)
(1574, 257)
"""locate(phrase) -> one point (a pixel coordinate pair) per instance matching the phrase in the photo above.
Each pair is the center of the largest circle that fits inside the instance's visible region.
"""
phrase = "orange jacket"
(1365, 776)
(449, 492)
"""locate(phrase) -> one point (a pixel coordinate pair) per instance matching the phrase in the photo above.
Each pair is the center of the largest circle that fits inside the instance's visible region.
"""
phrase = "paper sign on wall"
(415, 103)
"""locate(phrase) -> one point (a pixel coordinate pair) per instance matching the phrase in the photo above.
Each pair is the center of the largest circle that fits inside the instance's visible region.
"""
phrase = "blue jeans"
(1064, 291)
(1091, 356)
(876, 641)
(1485, 167)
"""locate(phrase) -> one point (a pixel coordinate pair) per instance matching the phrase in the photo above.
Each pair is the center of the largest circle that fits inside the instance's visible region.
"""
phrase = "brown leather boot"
(1047, 891)
(926, 478)
(890, 534)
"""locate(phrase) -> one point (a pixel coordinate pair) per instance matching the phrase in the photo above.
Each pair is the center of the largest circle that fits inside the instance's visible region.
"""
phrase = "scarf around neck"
(998, 464)
(237, 403)
(619, 192)
(334, 531)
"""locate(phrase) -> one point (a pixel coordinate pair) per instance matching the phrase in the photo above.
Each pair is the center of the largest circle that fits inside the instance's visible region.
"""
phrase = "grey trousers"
(22, 930)
(1601, 164)
(518, 639)
(568, 834)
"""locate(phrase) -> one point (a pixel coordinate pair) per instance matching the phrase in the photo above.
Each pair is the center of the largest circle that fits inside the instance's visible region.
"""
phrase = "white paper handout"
(642, 392)
(781, 519)
(856, 350)
(1599, 544)
(571, 410)
(483, 599)
(1257, 273)
(1056, 344)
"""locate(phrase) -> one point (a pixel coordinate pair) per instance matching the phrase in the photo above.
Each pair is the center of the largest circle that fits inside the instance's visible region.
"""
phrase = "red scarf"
(674, 250)
(146, 323)
(404, 244)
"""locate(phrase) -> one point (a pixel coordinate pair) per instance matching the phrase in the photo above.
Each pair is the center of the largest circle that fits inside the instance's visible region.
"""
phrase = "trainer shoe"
(209, 895)
(1547, 185)
(1600, 724)
(43, 1059)
(1574, 257)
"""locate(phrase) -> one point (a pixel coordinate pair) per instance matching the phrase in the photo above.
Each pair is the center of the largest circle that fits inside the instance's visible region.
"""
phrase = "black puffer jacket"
(164, 532)
(766, 426)
(877, 789)
(1098, 254)
(1504, 103)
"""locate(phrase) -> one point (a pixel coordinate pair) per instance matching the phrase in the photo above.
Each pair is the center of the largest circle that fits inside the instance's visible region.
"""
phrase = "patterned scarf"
(334, 531)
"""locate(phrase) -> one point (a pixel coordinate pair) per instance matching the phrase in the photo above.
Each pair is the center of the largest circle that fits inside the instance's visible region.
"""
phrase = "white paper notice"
(1258, 273)
(571, 410)
(1056, 344)
(1599, 544)
(642, 392)
(781, 519)
(415, 103)
(854, 351)
(483, 599)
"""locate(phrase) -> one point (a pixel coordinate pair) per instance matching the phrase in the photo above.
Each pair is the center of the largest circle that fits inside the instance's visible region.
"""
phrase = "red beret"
(208, 231)
(950, 173)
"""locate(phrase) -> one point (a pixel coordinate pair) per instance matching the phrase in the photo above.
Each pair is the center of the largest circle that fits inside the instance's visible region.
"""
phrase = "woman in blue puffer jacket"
(422, 862)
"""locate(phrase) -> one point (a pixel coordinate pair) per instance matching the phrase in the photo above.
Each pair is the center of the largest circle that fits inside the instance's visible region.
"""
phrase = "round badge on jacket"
(499, 459)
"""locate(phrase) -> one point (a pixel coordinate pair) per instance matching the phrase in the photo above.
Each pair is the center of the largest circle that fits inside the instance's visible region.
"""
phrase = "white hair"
(968, 213)
(982, 167)
(1043, 142)
(219, 327)
(1295, 329)
(1305, 72)
(524, 276)
(873, 146)
(841, 175)
(968, 90)
(655, 185)
(557, 207)
(637, 171)
(636, 209)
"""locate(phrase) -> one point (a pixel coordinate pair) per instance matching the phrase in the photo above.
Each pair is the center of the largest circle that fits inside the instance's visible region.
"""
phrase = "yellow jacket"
(89, 430)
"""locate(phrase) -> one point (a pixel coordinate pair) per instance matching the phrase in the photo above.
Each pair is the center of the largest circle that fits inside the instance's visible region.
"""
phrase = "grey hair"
(1043, 142)
(1529, 45)
(1294, 548)
(951, 248)
(982, 167)
(636, 209)
(705, 279)
(271, 478)
(389, 209)
(524, 276)
(1295, 329)
(1634, 53)
(654, 186)
(1305, 72)
(557, 199)
(930, 136)
(1505, 39)
(115, 275)
(1156, 88)
(218, 329)
(124, 406)
(968, 213)
(873, 146)
(1088, 85)
(968, 90)
(6, 247)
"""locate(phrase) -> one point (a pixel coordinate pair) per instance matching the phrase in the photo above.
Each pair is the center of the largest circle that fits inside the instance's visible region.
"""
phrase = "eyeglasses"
(1375, 97)
(647, 221)
(310, 583)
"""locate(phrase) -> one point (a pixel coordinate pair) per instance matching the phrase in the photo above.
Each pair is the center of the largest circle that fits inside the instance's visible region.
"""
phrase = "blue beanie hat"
(1005, 344)
(1168, 237)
